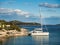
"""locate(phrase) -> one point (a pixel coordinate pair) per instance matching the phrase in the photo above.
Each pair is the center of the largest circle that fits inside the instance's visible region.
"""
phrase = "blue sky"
(28, 10)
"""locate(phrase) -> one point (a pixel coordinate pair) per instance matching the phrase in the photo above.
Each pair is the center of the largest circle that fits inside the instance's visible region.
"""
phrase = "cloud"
(27, 16)
(20, 12)
(50, 5)
(4, 11)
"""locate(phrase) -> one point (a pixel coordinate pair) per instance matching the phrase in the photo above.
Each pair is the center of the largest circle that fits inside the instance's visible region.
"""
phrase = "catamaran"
(39, 31)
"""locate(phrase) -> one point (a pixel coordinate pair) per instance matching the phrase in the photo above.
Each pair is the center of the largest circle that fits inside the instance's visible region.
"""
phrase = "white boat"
(39, 31)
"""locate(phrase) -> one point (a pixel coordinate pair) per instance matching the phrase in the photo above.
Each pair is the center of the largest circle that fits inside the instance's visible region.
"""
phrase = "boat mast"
(40, 18)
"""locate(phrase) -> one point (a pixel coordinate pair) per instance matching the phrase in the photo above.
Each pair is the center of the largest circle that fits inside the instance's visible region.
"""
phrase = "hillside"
(8, 25)
(23, 23)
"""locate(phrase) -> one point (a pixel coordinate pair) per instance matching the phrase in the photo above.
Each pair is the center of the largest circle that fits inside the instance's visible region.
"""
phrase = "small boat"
(39, 31)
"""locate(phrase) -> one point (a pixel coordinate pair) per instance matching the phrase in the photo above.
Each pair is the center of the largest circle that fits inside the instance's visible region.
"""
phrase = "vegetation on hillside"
(23, 23)
(8, 25)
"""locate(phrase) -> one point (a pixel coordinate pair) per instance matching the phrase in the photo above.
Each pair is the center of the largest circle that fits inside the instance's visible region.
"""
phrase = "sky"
(29, 10)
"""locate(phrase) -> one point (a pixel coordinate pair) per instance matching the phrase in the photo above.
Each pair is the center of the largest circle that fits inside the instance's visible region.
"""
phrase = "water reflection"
(27, 40)
(41, 40)
(2, 42)
(22, 40)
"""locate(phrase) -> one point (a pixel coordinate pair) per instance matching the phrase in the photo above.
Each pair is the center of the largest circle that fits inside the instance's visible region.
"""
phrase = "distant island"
(16, 22)
(24, 23)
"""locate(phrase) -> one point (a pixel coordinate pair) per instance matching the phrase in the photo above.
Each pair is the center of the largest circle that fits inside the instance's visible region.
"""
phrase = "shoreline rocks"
(13, 33)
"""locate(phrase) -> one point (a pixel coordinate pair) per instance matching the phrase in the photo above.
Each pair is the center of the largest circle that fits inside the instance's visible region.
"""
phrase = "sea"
(52, 39)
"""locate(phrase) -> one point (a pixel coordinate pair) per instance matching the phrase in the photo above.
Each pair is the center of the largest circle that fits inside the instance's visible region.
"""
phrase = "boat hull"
(41, 33)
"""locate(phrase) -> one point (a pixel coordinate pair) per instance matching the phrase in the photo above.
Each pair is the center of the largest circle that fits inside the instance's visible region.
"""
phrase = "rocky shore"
(12, 33)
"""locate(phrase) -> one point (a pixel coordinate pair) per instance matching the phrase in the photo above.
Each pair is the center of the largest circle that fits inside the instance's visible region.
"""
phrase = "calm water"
(52, 39)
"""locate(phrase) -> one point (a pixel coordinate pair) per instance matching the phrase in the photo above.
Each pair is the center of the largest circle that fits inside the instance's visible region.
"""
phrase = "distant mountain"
(16, 22)
(23, 23)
